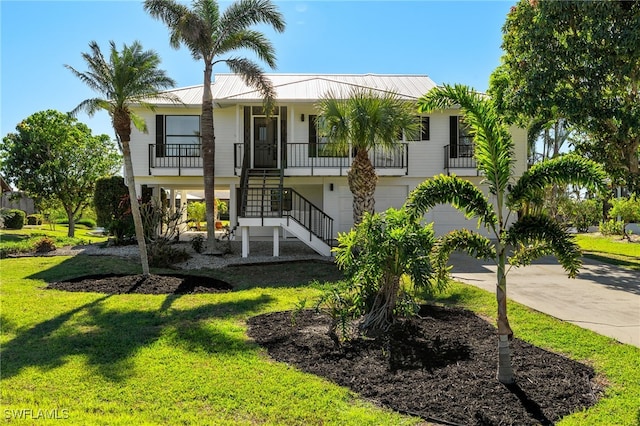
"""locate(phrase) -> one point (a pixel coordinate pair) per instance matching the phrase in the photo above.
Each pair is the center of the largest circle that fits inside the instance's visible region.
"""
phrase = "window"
(465, 140)
(460, 140)
(318, 144)
(178, 135)
(424, 132)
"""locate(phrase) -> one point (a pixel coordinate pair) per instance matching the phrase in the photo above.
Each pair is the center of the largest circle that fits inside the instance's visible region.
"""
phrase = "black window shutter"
(313, 135)
(283, 135)
(160, 151)
(247, 137)
(453, 136)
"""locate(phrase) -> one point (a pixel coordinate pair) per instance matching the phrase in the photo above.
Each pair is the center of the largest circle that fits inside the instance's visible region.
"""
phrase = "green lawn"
(23, 240)
(142, 359)
(611, 250)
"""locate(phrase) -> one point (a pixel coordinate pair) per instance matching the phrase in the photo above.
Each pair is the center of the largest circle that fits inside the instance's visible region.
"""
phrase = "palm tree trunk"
(381, 315)
(362, 180)
(505, 334)
(135, 207)
(208, 157)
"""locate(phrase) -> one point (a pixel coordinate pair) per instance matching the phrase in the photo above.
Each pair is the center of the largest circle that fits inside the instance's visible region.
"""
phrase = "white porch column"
(172, 200)
(245, 241)
(183, 207)
(276, 241)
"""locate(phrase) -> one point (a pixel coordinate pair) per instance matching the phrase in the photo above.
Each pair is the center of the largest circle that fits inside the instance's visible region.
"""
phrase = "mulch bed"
(440, 366)
(151, 284)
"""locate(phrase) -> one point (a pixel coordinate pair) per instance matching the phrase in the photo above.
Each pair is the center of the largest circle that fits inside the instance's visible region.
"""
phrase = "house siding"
(425, 159)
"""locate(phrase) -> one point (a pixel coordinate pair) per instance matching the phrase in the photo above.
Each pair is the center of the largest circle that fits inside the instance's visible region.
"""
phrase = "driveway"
(603, 298)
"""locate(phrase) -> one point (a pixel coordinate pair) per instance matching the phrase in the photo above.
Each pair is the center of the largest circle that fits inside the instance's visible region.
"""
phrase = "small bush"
(89, 223)
(14, 219)
(45, 245)
(611, 227)
(34, 219)
(161, 254)
(197, 243)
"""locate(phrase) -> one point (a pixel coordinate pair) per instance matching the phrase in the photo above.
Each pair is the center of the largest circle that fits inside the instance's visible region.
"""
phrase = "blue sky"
(450, 41)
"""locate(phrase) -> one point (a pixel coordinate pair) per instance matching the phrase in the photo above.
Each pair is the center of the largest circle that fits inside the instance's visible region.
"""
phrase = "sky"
(450, 41)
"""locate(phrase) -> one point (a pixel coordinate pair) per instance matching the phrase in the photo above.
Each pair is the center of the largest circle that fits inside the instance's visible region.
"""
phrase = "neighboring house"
(15, 199)
(294, 186)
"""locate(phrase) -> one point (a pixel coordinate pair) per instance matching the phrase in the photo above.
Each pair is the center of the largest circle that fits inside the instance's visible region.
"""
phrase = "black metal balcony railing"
(175, 156)
(460, 156)
(319, 156)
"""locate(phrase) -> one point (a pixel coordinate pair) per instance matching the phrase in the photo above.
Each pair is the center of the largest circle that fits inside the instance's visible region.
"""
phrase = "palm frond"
(463, 240)
(253, 77)
(564, 170)
(250, 40)
(533, 236)
(241, 14)
(461, 194)
(493, 144)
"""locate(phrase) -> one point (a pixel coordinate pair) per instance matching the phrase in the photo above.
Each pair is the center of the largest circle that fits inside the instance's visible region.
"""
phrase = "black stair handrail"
(307, 214)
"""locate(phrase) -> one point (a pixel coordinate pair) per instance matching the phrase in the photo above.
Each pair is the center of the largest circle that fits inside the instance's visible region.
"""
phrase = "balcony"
(460, 160)
(175, 159)
(306, 159)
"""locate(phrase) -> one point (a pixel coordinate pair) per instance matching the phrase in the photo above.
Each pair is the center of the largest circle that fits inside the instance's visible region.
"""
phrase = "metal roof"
(229, 88)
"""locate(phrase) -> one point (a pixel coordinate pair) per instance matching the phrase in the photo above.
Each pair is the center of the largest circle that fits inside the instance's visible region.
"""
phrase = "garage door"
(386, 196)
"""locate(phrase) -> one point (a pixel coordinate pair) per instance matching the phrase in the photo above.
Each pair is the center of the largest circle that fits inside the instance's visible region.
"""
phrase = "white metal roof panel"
(229, 88)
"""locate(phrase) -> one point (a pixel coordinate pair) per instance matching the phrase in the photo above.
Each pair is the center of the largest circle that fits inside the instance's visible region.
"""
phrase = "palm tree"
(126, 78)
(365, 120)
(208, 34)
(530, 236)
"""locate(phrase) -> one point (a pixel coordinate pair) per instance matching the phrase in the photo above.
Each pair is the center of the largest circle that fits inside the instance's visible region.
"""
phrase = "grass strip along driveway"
(170, 359)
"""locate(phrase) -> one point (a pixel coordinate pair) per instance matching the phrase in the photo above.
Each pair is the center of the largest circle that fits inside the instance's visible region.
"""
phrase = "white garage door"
(386, 196)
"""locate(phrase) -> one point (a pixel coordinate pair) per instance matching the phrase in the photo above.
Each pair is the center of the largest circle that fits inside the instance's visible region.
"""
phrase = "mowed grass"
(611, 249)
(142, 359)
(168, 359)
(24, 240)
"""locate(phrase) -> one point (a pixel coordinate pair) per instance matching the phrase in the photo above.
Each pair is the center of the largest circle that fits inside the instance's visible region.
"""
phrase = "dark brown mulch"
(151, 284)
(441, 367)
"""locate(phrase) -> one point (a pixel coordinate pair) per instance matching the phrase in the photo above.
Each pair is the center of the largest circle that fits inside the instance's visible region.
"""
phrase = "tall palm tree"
(208, 34)
(364, 120)
(129, 77)
(530, 236)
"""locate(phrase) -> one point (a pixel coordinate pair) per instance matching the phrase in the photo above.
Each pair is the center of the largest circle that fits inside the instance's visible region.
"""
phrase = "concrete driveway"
(603, 298)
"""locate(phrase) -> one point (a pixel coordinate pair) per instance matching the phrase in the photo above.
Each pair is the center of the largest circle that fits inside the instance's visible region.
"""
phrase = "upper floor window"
(424, 132)
(460, 140)
(178, 135)
(318, 144)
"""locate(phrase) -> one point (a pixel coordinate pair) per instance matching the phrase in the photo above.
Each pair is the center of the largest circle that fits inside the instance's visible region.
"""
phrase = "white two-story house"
(279, 179)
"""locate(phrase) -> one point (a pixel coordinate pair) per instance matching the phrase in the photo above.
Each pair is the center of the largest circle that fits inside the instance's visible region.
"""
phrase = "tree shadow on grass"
(108, 338)
(84, 265)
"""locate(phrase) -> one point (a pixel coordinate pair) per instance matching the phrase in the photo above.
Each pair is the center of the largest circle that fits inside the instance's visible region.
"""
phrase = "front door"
(265, 142)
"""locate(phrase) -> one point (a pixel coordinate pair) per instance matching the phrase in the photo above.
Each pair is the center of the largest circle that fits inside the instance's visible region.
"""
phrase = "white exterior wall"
(426, 159)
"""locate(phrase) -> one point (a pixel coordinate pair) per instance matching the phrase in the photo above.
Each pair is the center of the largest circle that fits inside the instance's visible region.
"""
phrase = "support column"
(245, 241)
(172, 200)
(276, 241)
(183, 208)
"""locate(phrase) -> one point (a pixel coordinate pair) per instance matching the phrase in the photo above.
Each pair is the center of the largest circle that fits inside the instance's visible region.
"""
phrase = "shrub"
(582, 214)
(611, 227)
(14, 219)
(374, 257)
(88, 222)
(628, 210)
(34, 219)
(107, 199)
(162, 254)
(197, 243)
(45, 245)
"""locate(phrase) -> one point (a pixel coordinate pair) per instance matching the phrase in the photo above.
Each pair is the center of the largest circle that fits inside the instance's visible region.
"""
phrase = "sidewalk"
(603, 298)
